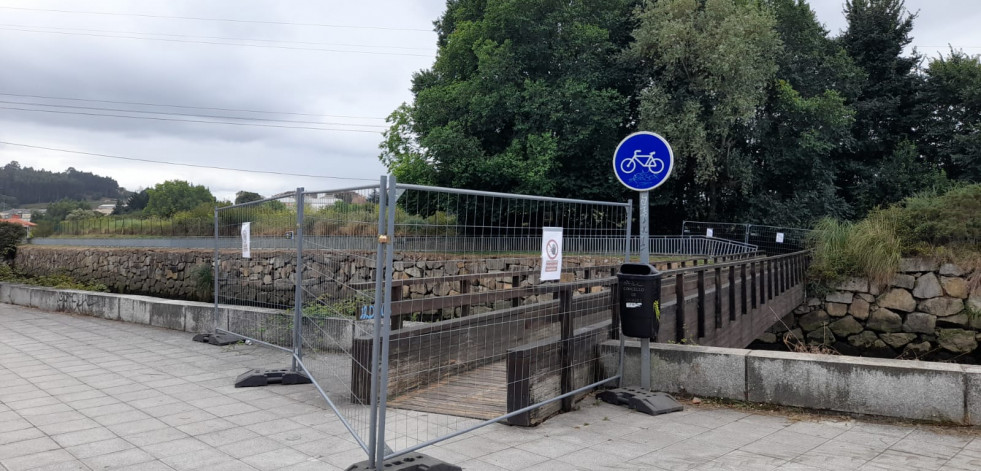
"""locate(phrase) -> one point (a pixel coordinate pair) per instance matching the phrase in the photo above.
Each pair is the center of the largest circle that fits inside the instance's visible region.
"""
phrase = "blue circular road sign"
(643, 161)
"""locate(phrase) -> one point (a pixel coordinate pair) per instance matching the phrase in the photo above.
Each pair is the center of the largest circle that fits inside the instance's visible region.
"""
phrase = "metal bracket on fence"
(411, 462)
(650, 403)
(261, 377)
(220, 339)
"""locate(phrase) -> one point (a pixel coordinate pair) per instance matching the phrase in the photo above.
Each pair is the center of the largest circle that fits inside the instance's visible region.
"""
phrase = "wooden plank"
(480, 393)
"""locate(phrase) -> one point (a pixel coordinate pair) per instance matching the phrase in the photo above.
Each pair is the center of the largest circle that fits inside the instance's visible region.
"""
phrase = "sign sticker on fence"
(246, 240)
(709, 232)
(779, 237)
(551, 253)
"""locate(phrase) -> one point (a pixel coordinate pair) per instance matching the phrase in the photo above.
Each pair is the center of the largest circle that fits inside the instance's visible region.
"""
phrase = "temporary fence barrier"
(447, 323)
(773, 240)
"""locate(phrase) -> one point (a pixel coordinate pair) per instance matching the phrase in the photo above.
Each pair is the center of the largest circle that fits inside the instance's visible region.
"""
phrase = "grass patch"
(58, 280)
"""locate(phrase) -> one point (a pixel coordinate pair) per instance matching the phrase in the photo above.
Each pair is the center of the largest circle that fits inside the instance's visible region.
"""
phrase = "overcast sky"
(168, 70)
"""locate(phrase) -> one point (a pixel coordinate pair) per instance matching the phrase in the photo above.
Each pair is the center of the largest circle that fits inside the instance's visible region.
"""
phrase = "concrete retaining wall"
(941, 392)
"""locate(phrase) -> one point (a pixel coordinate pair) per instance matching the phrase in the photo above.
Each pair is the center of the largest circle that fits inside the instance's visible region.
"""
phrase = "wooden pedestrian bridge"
(542, 339)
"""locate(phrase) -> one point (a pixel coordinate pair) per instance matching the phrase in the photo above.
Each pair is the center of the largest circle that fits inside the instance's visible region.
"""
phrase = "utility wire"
(184, 106)
(210, 167)
(215, 43)
(142, 33)
(93, 108)
(227, 20)
(154, 118)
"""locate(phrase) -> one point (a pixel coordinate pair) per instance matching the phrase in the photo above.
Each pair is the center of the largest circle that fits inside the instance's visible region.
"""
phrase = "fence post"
(679, 296)
(385, 328)
(214, 272)
(380, 288)
(298, 289)
(565, 311)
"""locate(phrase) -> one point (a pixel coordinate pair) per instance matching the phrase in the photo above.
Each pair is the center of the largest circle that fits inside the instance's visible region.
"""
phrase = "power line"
(210, 167)
(154, 118)
(215, 43)
(310, 43)
(185, 106)
(227, 20)
(92, 108)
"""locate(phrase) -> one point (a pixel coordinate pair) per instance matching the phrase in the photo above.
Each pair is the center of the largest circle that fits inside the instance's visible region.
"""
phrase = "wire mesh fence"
(487, 333)
(772, 240)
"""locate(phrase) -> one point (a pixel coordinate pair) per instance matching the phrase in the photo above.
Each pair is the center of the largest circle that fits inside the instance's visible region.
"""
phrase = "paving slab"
(86, 393)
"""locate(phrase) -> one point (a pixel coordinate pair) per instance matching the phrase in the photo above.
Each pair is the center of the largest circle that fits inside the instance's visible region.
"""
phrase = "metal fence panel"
(773, 240)
(478, 336)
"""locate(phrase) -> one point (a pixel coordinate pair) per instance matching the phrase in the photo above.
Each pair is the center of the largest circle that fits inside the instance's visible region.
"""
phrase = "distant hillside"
(25, 185)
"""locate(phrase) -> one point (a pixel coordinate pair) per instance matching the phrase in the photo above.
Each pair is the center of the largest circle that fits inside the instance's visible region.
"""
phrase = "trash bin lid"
(638, 269)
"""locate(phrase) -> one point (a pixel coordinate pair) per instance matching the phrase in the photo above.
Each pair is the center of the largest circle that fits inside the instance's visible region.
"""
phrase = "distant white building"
(105, 208)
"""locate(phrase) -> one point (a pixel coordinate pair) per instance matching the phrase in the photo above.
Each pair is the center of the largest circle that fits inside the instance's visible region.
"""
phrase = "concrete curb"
(909, 389)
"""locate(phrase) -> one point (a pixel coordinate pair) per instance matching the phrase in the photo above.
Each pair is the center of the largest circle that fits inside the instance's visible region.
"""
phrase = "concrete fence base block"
(686, 369)
(896, 388)
(972, 396)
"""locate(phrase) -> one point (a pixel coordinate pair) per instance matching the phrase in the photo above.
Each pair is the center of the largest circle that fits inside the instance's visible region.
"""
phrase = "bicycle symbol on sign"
(648, 161)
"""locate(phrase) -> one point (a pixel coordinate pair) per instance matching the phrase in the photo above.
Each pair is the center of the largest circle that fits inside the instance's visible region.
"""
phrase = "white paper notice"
(708, 232)
(779, 237)
(246, 240)
(551, 253)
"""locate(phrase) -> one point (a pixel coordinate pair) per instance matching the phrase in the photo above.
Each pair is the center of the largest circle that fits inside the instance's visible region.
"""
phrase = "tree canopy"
(26, 185)
(173, 196)
(772, 119)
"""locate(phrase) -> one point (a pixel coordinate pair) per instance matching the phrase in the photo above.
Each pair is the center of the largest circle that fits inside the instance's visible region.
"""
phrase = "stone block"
(767, 337)
(859, 309)
(5, 293)
(855, 284)
(813, 320)
(884, 320)
(836, 309)
(920, 322)
(897, 340)
(702, 371)
(903, 281)
(918, 265)
(822, 336)
(846, 326)
(20, 295)
(957, 340)
(45, 299)
(930, 391)
(954, 287)
(863, 340)
(957, 320)
(135, 309)
(942, 307)
(865, 297)
(927, 286)
(950, 269)
(897, 299)
(839, 297)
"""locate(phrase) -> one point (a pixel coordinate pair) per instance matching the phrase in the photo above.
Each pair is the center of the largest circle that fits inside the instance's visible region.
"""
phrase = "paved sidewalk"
(81, 393)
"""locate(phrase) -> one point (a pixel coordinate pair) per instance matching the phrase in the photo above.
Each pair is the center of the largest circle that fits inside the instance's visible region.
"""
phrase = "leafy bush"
(58, 280)
(947, 226)
(11, 235)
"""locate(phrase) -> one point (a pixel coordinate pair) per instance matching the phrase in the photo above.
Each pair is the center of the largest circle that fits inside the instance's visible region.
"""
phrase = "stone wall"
(930, 310)
(268, 277)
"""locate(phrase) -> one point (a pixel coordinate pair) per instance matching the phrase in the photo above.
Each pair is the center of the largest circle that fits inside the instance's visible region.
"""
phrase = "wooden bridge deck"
(480, 393)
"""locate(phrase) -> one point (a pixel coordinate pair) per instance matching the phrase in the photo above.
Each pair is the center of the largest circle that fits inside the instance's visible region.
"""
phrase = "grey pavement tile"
(739, 460)
(897, 431)
(214, 400)
(57, 417)
(276, 459)
(478, 465)
(837, 457)
(44, 410)
(891, 460)
(34, 401)
(475, 447)
(228, 464)
(73, 465)
(819, 429)
(97, 411)
(230, 409)
(343, 459)
(172, 408)
(57, 428)
(542, 446)
(300, 435)
(226, 436)
(19, 435)
(965, 460)
(514, 459)
(312, 465)
(103, 447)
(784, 445)
(201, 459)
(118, 459)
(920, 447)
(122, 417)
(272, 426)
(189, 416)
(869, 440)
(940, 436)
(206, 426)
(684, 455)
(180, 446)
(77, 393)
(27, 447)
(101, 400)
(251, 446)
(154, 436)
(82, 437)
(37, 460)
(137, 426)
(737, 434)
(251, 418)
(145, 466)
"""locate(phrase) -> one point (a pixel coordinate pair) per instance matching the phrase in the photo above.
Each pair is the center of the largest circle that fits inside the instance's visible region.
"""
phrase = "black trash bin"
(639, 288)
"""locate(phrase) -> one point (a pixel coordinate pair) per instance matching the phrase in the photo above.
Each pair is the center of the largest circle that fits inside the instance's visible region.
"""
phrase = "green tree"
(706, 65)
(137, 201)
(173, 196)
(887, 111)
(952, 131)
(246, 196)
(11, 235)
(525, 96)
(804, 121)
(59, 210)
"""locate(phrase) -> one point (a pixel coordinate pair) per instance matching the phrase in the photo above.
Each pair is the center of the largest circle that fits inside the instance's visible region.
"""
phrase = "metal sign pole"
(645, 257)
